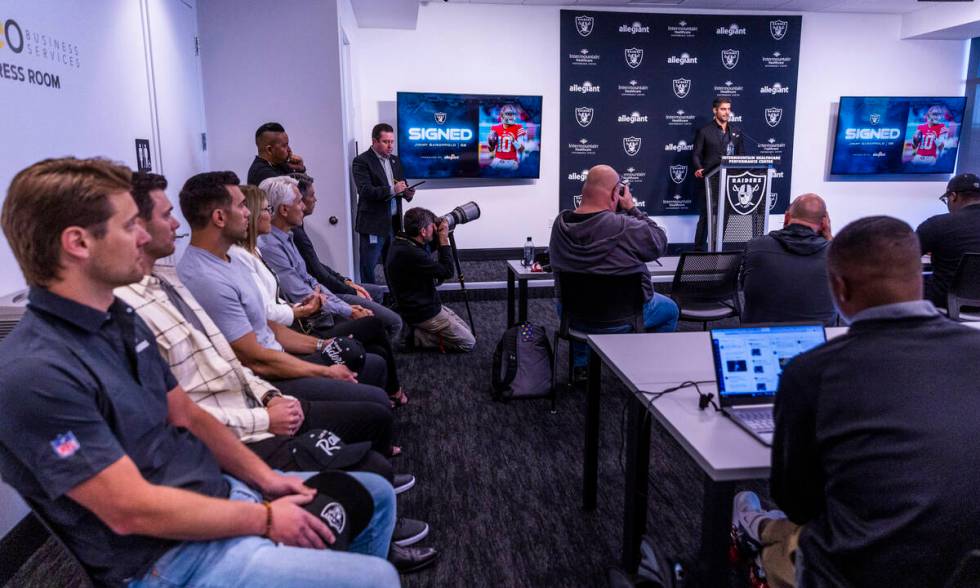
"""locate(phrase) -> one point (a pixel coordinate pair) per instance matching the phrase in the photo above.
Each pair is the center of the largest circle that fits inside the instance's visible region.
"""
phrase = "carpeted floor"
(500, 484)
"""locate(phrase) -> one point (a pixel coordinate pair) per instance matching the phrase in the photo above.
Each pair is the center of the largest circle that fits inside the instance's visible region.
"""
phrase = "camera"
(462, 214)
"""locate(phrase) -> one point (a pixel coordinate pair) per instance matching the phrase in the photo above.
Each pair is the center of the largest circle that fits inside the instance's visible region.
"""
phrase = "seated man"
(608, 235)
(275, 158)
(875, 450)
(412, 276)
(215, 208)
(784, 273)
(948, 236)
(367, 295)
(206, 367)
(98, 436)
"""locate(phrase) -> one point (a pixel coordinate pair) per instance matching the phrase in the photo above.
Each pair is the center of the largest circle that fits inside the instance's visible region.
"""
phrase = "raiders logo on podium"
(746, 190)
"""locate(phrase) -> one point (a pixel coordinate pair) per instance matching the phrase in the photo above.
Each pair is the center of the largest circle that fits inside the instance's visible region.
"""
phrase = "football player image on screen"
(930, 137)
(506, 140)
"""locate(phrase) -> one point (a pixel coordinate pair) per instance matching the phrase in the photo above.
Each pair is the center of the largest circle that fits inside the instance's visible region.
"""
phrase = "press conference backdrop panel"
(637, 86)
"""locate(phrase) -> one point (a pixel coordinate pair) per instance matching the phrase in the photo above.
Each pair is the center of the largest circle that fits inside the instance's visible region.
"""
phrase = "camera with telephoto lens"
(462, 214)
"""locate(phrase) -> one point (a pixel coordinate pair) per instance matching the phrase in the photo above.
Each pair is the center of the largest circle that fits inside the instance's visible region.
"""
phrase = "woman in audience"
(368, 330)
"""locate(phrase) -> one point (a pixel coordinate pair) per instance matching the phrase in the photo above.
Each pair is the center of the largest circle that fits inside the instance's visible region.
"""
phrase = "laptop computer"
(748, 363)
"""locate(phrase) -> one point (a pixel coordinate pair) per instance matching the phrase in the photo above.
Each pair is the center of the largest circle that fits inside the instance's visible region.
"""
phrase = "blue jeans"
(371, 254)
(659, 316)
(255, 561)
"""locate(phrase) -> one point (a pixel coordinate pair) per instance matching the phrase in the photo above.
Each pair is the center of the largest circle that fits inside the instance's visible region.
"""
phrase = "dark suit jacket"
(709, 147)
(374, 196)
(334, 281)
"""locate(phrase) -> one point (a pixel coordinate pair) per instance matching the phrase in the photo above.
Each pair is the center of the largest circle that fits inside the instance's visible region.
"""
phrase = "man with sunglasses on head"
(948, 236)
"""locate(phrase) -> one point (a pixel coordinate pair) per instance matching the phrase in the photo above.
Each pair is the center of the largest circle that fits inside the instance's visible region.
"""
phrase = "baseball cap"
(963, 183)
(346, 351)
(321, 449)
(343, 504)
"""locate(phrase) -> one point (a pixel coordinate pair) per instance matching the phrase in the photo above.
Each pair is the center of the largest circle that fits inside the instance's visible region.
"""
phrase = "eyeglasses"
(268, 209)
(945, 197)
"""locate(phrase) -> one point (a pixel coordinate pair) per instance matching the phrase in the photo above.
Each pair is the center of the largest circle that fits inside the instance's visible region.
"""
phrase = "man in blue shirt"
(98, 436)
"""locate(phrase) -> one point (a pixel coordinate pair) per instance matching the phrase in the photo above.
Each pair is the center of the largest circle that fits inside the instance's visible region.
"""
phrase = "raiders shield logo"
(729, 58)
(583, 116)
(583, 24)
(632, 145)
(682, 87)
(678, 173)
(746, 190)
(778, 28)
(874, 118)
(774, 116)
(634, 57)
(333, 514)
(440, 117)
(577, 200)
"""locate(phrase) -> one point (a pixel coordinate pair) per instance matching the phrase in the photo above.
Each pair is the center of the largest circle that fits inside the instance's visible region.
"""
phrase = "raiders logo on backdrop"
(583, 115)
(632, 145)
(778, 29)
(774, 116)
(874, 118)
(634, 57)
(440, 117)
(682, 87)
(746, 190)
(577, 200)
(335, 516)
(729, 58)
(584, 25)
(678, 173)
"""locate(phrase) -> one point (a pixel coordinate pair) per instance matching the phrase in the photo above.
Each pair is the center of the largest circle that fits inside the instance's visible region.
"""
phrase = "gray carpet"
(500, 484)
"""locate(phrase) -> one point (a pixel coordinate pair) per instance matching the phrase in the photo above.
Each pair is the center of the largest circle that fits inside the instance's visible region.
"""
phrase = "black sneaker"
(403, 482)
(409, 532)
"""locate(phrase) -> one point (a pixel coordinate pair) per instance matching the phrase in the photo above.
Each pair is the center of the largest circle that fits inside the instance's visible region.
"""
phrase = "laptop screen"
(748, 361)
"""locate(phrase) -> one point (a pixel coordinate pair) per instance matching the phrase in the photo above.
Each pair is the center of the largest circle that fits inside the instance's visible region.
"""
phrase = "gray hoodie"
(607, 243)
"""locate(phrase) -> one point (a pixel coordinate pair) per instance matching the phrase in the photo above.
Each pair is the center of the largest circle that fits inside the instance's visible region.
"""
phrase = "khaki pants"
(780, 538)
(445, 331)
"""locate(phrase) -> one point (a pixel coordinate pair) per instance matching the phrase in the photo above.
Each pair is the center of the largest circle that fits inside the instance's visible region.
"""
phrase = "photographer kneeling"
(412, 275)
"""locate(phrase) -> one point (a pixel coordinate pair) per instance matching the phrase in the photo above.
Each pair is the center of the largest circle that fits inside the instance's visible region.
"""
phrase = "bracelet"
(268, 518)
(320, 344)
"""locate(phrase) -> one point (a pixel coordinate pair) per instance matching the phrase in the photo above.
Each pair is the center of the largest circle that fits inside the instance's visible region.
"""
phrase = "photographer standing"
(412, 275)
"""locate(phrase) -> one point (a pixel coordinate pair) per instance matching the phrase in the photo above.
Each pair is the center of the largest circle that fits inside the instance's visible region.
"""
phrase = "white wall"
(838, 57)
(269, 61)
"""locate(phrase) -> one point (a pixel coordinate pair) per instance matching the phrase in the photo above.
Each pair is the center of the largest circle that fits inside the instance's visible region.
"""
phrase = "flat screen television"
(469, 135)
(897, 135)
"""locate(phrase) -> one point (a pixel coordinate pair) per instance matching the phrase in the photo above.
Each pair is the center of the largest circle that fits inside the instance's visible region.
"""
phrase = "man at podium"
(712, 141)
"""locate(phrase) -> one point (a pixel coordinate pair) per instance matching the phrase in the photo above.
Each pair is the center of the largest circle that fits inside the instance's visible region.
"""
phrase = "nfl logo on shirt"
(65, 445)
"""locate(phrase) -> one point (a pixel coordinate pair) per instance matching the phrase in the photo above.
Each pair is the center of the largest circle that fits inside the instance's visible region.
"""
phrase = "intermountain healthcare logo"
(634, 176)
(684, 59)
(583, 115)
(584, 25)
(678, 173)
(584, 57)
(634, 57)
(771, 147)
(682, 87)
(729, 89)
(633, 88)
(731, 30)
(774, 89)
(746, 190)
(776, 61)
(633, 118)
(440, 117)
(679, 119)
(583, 147)
(774, 116)
(631, 145)
(682, 30)
(634, 29)
(778, 29)
(585, 87)
(729, 58)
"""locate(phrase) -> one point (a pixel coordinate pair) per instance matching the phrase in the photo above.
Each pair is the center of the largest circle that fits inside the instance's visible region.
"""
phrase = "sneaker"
(746, 511)
(409, 532)
(403, 482)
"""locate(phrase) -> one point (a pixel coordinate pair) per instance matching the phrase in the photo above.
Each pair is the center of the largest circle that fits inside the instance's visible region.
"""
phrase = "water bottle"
(528, 253)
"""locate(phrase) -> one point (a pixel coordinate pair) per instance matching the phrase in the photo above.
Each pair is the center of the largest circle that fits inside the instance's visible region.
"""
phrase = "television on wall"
(469, 135)
(897, 135)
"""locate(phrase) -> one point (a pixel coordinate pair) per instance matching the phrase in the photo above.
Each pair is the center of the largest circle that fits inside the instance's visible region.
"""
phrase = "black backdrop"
(636, 87)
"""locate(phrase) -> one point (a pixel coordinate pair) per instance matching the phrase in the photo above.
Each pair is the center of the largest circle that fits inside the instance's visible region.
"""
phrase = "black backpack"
(522, 364)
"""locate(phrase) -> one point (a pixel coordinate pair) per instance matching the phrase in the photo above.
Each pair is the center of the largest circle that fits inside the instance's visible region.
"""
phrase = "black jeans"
(370, 331)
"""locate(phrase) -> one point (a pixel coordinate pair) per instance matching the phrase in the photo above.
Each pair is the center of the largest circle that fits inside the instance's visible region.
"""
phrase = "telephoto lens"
(462, 214)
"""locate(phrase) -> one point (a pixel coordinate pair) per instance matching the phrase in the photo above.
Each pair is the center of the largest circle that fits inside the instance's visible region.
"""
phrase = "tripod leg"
(462, 282)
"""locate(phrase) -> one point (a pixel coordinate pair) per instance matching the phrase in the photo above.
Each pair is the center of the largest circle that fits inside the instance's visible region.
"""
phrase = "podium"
(739, 194)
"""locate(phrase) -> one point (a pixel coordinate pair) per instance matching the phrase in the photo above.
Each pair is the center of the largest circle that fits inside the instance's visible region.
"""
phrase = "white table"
(518, 276)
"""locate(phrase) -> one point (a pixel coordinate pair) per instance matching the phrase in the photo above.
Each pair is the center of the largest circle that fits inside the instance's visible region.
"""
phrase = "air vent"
(12, 307)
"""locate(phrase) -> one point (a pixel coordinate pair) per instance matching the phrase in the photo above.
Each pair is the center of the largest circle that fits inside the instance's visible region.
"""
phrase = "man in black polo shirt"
(275, 158)
(875, 449)
(412, 276)
(712, 141)
(98, 436)
(948, 236)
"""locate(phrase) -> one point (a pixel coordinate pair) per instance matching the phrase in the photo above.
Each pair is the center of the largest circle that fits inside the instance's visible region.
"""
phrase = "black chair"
(967, 573)
(965, 289)
(600, 301)
(705, 286)
(83, 573)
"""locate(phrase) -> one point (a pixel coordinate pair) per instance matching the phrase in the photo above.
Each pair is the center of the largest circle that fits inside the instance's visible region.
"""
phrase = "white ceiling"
(860, 6)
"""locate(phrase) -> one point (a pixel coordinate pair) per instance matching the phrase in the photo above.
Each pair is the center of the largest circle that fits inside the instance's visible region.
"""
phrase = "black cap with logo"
(963, 183)
(343, 504)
